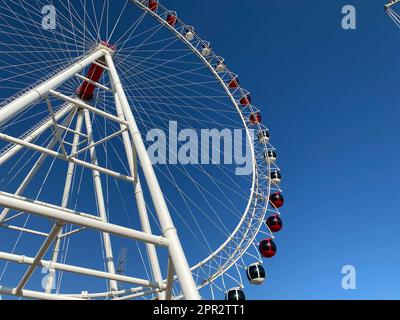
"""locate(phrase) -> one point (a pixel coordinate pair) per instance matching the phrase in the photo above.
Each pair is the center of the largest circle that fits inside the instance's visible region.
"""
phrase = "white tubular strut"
(141, 204)
(22, 103)
(176, 252)
(65, 199)
(100, 201)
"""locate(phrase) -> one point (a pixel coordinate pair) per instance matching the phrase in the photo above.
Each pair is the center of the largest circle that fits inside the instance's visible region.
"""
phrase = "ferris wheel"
(122, 129)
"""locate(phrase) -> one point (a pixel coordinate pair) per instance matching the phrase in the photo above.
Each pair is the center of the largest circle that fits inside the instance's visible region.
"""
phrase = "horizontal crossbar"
(58, 155)
(79, 270)
(76, 218)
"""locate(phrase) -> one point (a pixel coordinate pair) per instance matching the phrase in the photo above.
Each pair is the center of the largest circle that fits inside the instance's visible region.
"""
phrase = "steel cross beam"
(84, 105)
(76, 218)
(79, 270)
(101, 141)
(34, 294)
(22, 103)
(58, 155)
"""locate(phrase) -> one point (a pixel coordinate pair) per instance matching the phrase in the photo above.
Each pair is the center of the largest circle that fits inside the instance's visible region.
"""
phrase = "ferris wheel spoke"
(29, 17)
(154, 31)
(27, 33)
(128, 51)
(232, 181)
(144, 111)
(155, 53)
(118, 20)
(224, 185)
(34, 36)
(184, 101)
(128, 35)
(184, 197)
(18, 75)
(75, 33)
(158, 80)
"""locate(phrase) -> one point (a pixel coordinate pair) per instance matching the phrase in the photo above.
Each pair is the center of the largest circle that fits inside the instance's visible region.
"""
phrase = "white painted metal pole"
(79, 270)
(38, 164)
(22, 103)
(176, 252)
(65, 198)
(83, 105)
(33, 294)
(62, 157)
(141, 204)
(170, 280)
(100, 201)
(40, 254)
(80, 219)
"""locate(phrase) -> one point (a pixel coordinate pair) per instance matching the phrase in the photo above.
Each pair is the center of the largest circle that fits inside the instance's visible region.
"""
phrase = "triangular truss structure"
(60, 119)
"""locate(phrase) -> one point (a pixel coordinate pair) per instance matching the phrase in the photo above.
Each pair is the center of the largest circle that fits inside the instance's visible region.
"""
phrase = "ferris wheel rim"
(164, 22)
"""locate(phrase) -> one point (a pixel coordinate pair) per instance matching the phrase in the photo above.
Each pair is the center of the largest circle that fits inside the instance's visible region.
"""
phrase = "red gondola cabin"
(277, 199)
(255, 118)
(245, 100)
(274, 223)
(153, 5)
(86, 90)
(234, 83)
(267, 248)
(171, 19)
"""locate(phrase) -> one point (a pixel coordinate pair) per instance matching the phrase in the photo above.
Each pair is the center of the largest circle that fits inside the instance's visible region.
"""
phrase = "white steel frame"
(134, 147)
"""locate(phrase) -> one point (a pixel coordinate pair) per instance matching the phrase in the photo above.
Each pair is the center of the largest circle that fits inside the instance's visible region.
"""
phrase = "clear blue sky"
(331, 101)
(329, 97)
(332, 104)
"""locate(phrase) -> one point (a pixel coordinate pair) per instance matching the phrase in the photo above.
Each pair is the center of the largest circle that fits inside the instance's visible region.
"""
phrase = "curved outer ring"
(256, 209)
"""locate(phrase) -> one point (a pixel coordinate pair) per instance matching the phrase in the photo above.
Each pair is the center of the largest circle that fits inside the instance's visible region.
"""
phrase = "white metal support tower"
(78, 109)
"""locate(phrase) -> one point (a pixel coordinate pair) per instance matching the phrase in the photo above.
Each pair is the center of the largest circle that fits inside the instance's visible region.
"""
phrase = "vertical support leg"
(176, 252)
(55, 231)
(65, 198)
(141, 204)
(170, 280)
(100, 202)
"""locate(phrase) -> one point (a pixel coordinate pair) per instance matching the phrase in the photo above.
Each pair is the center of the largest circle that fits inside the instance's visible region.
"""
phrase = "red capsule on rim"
(277, 199)
(171, 19)
(153, 5)
(274, 223)
(234, 83)
(245, 100)
(255, 118)
(267, 248)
